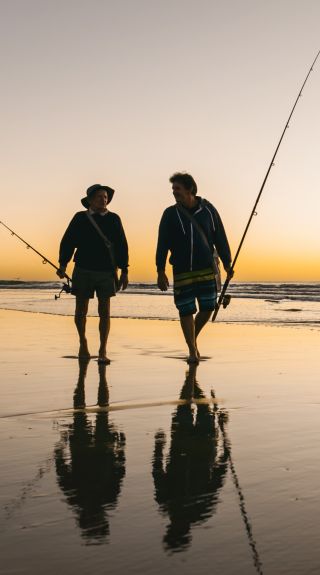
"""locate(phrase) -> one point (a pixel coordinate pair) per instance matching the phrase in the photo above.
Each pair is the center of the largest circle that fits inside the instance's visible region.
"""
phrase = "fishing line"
(223, 298)
(66, 286)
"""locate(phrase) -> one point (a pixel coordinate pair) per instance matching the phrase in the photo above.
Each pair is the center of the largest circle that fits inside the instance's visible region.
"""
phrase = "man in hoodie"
(191, 230)
(101, 247)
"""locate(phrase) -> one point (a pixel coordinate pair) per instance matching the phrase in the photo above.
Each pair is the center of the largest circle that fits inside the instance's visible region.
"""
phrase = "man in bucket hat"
(99, 242)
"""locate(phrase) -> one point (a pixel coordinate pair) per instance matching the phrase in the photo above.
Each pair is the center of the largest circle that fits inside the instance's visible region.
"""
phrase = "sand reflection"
(188, 479)
(90, 463)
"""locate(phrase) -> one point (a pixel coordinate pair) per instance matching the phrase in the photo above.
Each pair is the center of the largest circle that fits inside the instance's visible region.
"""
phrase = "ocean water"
(291, 303)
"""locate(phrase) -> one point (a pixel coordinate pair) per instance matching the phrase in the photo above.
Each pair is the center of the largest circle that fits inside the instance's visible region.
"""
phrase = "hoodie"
(188, 252)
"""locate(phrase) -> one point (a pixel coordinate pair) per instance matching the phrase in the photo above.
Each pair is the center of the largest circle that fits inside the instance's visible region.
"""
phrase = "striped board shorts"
(197, 285)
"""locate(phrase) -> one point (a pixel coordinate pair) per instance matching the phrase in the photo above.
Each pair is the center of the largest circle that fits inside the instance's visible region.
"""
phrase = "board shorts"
(85, 283)
(197, 285)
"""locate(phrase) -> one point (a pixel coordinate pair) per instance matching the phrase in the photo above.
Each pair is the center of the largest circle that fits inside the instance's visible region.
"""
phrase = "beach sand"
(214, 469)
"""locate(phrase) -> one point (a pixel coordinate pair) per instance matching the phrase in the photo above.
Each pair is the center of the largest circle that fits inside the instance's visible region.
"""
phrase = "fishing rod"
(66, 286)
(244, 514)
(223, 298)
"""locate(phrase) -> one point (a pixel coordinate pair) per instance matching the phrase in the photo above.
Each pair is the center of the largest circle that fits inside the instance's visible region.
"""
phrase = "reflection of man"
(101, 247)
(188, 481)
(191, 230)
(90, 463)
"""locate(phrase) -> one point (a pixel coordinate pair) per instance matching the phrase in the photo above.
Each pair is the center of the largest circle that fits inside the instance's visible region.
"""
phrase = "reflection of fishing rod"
(225, 299)
(243, 511)
(222, 418)
(66, 286)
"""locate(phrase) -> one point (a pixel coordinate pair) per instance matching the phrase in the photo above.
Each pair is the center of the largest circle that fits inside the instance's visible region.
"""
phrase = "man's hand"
(163, 282)
(61, 272)
(123, 281)
(230, 271)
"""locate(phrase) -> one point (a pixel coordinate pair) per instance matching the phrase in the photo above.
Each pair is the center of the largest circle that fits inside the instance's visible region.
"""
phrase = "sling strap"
(108, 244)
(200, 230)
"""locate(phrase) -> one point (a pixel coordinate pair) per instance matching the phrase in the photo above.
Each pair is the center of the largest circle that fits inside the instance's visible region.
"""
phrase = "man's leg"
(103, 391)
(184, 299)
(206, 295)
(80, 319)
(188, 328)
(79, 398)
(200, 321)
(104, 327)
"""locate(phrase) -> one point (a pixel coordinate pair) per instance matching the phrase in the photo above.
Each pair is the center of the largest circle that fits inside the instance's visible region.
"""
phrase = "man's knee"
(205, 314)
(104, 307)
(81, 308)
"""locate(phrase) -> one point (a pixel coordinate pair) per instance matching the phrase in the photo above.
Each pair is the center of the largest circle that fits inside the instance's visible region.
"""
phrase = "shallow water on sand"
(162, 489)
(296, 305)
(148, 465)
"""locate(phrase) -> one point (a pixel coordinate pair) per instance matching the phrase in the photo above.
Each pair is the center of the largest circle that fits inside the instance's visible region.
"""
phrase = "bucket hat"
(92, 189)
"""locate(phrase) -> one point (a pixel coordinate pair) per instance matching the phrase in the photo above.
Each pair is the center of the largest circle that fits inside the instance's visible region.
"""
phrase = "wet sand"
(148, 465)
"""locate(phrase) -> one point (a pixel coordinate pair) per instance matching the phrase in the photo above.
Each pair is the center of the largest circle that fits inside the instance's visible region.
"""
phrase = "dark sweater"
(91, 252)
(182, 239)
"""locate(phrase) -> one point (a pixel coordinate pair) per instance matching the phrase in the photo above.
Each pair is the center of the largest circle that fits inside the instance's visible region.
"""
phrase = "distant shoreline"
(152, 283)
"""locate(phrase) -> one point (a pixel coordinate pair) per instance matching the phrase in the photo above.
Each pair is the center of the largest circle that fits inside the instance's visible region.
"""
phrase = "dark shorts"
(197, 285)
(85, 283)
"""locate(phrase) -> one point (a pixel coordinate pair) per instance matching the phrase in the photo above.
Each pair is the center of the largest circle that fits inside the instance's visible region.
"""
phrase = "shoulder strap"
(106, 241)
(199, 228)
(100, 232)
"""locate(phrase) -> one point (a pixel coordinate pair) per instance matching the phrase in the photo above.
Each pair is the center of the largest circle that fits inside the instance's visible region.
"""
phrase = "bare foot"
(84, 352)
(102, 357)
(193, 359)
(103, 360)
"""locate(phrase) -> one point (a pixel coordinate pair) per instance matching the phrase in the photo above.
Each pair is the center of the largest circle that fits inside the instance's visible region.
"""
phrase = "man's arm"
(122, 256)
(162, 253)
(221, 241)
(68, 245)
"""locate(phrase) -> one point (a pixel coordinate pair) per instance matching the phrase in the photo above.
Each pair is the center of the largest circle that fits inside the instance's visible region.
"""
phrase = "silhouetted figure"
(192, 231)
(97, 240)
(188, 482)
(90, 463)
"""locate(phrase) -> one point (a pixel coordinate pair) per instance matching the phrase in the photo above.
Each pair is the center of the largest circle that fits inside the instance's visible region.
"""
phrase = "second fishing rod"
(66, 286)
(223, 298)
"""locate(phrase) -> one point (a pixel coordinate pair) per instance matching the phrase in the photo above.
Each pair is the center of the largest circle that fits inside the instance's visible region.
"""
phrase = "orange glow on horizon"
(23, 264)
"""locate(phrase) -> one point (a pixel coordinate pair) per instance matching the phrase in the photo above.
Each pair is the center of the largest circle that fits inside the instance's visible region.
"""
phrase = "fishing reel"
(226, 300)
(66, 287)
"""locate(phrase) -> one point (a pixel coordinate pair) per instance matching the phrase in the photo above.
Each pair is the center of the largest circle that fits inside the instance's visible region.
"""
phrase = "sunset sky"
(126, 92)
